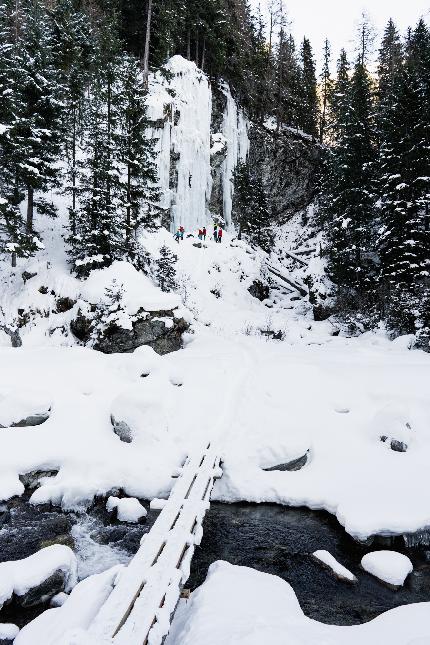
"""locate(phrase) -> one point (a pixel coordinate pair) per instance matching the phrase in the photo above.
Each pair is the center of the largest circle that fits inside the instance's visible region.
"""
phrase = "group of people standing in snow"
(218, 233)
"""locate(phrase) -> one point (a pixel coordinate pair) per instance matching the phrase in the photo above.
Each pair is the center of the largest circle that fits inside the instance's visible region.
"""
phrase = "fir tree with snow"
(38, 127)
(165, 271)
(308, 107)
(348, 199)
(137, 148)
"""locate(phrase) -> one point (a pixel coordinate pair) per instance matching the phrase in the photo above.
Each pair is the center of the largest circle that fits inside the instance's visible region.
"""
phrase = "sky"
(337, 19)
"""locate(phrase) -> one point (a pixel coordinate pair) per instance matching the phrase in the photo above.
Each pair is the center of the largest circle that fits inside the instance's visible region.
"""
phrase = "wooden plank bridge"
(140, 607)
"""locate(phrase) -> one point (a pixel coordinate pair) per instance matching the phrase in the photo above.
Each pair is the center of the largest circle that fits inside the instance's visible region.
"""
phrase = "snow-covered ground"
(343, 402)
(267, 402)
(241, 605)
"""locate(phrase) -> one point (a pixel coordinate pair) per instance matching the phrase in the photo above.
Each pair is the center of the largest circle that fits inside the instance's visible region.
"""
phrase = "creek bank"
(267, 537)
(281, 540)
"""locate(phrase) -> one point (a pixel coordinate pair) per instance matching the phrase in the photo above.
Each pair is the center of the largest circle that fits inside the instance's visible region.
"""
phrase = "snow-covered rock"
(55, 625)
(38, 577)
(389, 566)
(129, 509)
(157, 504)
(341, 572)
(23, 408)
(8, 632)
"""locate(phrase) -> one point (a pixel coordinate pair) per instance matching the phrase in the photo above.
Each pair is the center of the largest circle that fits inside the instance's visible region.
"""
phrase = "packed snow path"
(142, 603)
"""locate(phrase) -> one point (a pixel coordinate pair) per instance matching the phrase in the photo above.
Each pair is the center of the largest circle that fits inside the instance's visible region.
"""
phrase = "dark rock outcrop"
(149, 328)
(35, 419)
(290, 466)
(64, 304)
(45, 591)
(289, 162)
(122, 429)
(31, 480)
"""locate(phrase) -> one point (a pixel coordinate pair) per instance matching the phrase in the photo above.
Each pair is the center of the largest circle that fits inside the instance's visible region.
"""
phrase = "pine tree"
(326, 90)
(110, 312)
(251, 206)
(141, 193)
(348, 198)
(166, 270)
(100, 227)
(287, 82)
(404, 239)
(308, 105)
(72, 55)
(38, 129)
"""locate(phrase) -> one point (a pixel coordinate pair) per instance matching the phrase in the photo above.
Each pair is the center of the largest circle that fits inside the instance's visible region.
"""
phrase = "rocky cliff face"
(289, 161)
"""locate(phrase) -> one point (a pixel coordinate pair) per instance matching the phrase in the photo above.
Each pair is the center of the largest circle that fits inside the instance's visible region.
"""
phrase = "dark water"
(267, 537)
(280, 541)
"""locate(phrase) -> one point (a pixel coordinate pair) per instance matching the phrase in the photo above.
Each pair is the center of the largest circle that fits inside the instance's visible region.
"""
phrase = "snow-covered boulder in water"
(35, 579)
(389, 566)
(328, 561)
(128, 509)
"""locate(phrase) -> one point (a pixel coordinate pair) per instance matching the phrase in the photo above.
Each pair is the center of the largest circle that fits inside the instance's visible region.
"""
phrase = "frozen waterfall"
(180, 107)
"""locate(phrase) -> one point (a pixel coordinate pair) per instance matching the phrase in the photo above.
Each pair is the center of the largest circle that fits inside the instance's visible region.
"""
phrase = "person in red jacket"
(220, 234)
(204, 233)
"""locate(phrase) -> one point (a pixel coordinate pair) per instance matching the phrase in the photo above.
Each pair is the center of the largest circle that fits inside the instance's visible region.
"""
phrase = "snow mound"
(19, 576)
(129, 509)
(55, 625)
(157, 504)
(139, 413)
(338, 569)
(139, 291)
(389, 566)
(23, 406)
(260, 608)
(8, 631)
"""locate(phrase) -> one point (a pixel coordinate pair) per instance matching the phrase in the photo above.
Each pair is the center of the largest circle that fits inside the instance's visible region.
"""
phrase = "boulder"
(64, 304)
(259, 290)
(291, 466)
(159, 330)
(40, 594)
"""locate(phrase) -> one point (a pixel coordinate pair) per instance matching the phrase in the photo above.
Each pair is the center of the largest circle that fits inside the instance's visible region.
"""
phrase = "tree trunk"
(73, 222)
(147, 39)
(188, 45)
(30, 209)
(203, 54)
(109, 116)
(128, 216)
(13, 259)
(197, 48)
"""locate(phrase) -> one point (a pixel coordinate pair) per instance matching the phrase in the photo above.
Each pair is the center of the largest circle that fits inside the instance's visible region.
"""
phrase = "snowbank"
(389, 566)
(241, 605)
(129, 509)
(19, 576)
(139, 291)
(62, 624)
